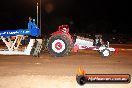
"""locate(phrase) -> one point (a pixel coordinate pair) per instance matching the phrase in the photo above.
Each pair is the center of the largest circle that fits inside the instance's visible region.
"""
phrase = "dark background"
(83, 16)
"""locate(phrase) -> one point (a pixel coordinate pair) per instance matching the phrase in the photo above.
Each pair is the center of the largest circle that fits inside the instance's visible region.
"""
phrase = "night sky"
(99, 16)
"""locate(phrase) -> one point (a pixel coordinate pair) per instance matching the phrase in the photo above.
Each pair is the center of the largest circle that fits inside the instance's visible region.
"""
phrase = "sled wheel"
(36, 50)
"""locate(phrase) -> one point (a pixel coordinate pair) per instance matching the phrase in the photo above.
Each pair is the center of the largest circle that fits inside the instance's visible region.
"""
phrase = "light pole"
(39, 15)
(40, 18)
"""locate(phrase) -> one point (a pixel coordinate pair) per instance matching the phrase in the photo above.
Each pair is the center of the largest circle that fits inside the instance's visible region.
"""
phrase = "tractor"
(61, 43)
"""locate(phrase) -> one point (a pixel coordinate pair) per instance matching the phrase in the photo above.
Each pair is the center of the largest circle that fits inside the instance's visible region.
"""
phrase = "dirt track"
(50, 72)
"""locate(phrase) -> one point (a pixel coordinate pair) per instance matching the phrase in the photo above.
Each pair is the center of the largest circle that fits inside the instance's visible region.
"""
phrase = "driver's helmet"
(64, 28)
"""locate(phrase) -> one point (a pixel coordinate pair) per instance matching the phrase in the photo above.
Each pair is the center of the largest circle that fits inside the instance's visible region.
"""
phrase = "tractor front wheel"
(105, 53)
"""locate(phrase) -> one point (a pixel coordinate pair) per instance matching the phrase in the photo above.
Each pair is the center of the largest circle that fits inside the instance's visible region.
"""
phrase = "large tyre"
(59, 45)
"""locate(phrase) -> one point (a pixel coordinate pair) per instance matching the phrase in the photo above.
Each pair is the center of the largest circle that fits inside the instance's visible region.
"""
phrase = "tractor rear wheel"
(59, 45)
